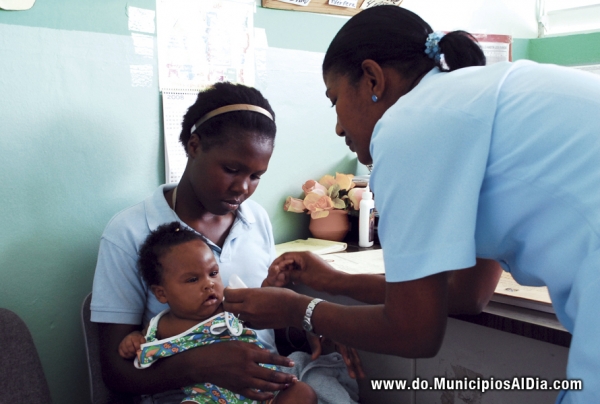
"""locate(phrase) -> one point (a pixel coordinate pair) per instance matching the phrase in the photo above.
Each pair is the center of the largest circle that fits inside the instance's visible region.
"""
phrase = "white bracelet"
(307, 323)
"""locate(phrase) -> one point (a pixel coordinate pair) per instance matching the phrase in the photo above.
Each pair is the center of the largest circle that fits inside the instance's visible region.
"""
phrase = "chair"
(22, 378)
(100, 394)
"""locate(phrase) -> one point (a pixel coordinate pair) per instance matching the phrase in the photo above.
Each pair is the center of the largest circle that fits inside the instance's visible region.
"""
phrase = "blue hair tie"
(432, 47)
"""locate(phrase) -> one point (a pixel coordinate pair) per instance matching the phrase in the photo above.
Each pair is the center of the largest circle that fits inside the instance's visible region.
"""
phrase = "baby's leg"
(297, 393)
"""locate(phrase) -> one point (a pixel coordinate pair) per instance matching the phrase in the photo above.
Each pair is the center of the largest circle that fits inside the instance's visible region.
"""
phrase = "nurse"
(472, 166)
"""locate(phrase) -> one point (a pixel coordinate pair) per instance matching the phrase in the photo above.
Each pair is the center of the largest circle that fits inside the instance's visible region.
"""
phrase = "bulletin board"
(315, 6)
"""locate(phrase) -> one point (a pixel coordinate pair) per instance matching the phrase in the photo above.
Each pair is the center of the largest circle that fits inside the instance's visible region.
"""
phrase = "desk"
(503, 342)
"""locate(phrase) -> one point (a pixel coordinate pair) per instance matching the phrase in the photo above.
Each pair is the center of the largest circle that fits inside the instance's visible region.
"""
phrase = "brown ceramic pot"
(334, 227)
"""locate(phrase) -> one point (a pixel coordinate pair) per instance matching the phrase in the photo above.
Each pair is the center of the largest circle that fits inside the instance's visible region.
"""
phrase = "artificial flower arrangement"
(326, 194)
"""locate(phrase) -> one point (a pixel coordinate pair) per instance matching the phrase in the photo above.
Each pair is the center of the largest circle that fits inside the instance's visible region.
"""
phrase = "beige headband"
(230, 108)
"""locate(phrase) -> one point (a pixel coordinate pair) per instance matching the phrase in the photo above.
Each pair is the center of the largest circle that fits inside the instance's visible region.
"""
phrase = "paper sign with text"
(343, 3)
(370, 3)
(296, 2)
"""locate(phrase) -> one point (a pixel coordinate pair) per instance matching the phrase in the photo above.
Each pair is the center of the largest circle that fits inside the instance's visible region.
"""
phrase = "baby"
(181, 270)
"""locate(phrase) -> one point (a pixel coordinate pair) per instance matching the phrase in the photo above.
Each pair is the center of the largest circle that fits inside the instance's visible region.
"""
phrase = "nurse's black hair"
(221, 128)
(394, 36)
(157, 244)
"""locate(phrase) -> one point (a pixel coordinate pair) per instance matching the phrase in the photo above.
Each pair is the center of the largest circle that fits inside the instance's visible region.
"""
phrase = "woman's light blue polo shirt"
(499, 162)
(120, 295)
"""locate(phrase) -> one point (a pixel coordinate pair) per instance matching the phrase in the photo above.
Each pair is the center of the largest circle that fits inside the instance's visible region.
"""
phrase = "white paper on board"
(371, 3)
(296, 2)
(141, 75)
(143, 44)
(141, 20)
(495, 52)
(175, 105)
(343, 3)
(16, 5)
(261, 46)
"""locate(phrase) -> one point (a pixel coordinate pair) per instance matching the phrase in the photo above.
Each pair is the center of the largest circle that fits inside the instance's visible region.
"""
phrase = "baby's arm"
(131, 344)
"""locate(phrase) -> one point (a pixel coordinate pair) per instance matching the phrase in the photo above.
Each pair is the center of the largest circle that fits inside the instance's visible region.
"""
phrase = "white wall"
(506, 17)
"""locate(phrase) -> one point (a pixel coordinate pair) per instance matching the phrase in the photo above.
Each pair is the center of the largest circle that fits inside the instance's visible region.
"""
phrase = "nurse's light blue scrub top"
(500, 162)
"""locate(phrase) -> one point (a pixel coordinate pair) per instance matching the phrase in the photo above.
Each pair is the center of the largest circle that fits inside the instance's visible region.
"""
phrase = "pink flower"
(324, 195)
(327, 181)
(355, 195)
(312, 185)
(344, 181)
(318, 202)
(294, 205)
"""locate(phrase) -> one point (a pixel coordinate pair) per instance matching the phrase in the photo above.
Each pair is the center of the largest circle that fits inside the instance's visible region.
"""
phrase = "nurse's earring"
(374, 98)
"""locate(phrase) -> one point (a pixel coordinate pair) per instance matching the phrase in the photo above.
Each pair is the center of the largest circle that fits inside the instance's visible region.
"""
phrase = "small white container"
(366, 219)
(236, 283)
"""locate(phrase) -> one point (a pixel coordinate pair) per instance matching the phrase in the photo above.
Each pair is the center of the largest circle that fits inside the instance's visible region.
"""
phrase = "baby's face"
(191, 282)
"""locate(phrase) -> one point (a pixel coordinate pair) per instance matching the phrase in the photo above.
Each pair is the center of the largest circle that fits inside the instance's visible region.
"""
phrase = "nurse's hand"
(266, 307)
(350, 355)
(302, 267)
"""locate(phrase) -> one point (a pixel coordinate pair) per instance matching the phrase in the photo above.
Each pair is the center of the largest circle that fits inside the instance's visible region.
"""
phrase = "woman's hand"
(234, 365)
(352, 361)
(266, 307)
(278, 276)
(313, 271)
(237, 369)
(302, 267)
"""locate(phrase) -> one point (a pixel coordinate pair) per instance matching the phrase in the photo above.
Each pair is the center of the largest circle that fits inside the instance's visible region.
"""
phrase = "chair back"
(22, 378)
(100, 393)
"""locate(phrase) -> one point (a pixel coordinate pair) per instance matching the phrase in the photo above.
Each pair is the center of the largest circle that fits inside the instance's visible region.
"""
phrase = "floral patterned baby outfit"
(219, 328)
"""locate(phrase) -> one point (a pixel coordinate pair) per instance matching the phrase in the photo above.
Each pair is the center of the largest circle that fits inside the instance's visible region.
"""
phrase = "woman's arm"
(411, 323)
(232, 365)
(470, 289)
(313, 271)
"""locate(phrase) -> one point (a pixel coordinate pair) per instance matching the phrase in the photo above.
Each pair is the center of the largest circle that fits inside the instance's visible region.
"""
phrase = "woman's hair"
(218, 130)
(393, 36)
(157, 244)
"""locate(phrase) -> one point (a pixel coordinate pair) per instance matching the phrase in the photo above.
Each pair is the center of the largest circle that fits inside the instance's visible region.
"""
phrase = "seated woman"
(228, 135)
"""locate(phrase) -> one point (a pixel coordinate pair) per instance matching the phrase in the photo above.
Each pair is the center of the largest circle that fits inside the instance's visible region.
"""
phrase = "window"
(559, 17)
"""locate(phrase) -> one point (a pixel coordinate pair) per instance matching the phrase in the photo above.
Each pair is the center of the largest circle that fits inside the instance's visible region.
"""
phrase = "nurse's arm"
(315, 272)
(411, 322)
(470, 289)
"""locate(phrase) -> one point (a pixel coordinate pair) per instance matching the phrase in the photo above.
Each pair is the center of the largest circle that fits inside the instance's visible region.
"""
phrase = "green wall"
(78, 143)
(569, 50)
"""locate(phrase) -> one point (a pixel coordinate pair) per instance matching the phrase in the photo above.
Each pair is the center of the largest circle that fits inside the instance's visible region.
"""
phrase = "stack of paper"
(362, 262)
(314, 245)
(508, 291)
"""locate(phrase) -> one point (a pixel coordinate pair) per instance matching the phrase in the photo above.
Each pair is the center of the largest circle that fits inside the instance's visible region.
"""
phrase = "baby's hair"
(157, 244)
(214, 131)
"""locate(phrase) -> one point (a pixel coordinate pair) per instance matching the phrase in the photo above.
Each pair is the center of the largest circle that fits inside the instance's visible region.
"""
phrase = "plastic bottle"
(366, 219)
(236, 283)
